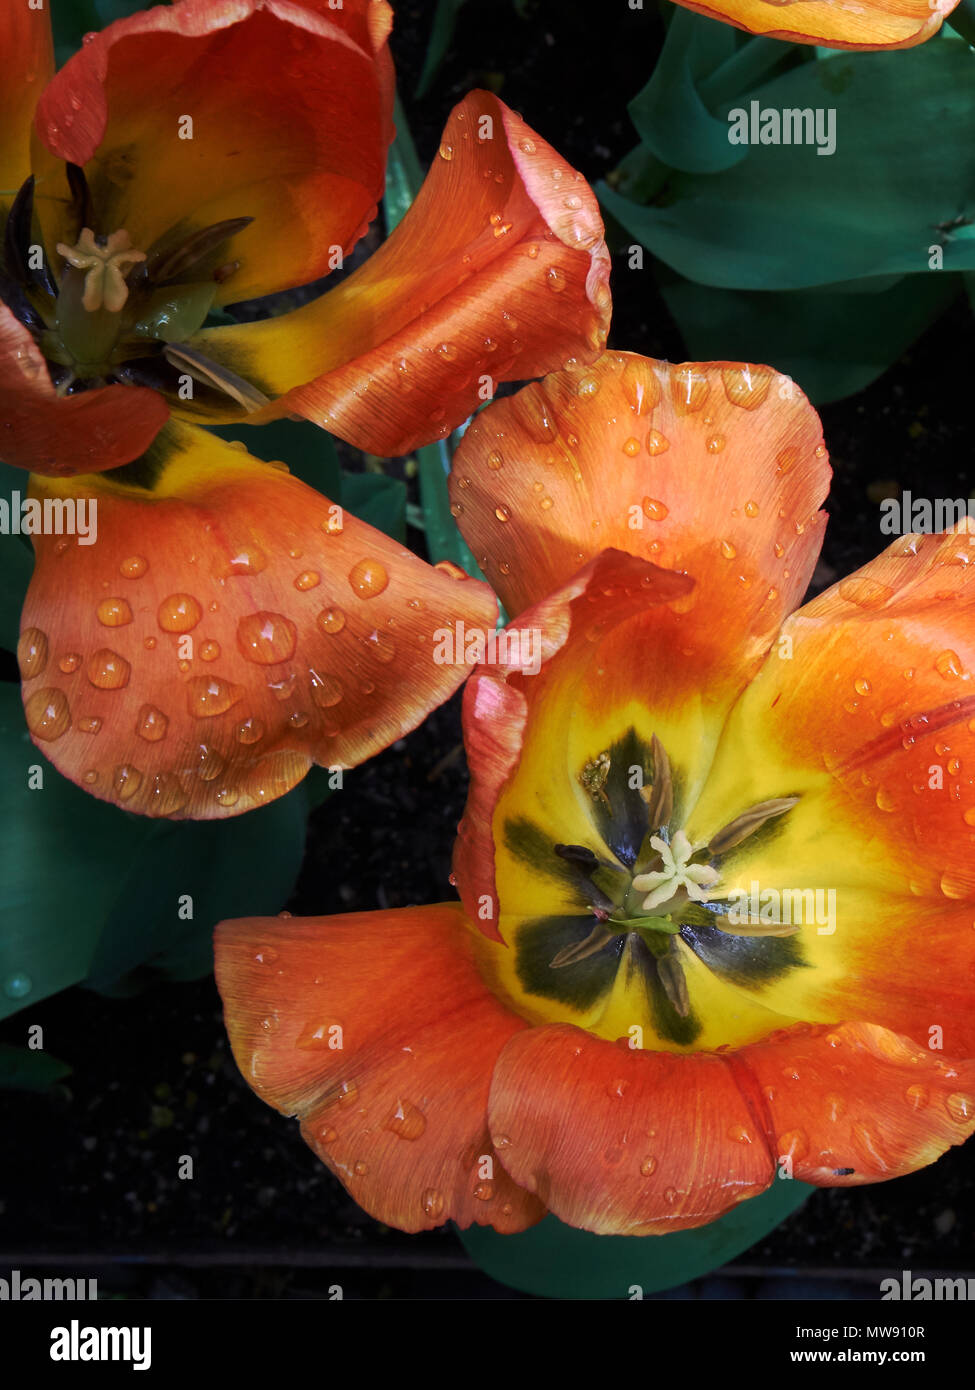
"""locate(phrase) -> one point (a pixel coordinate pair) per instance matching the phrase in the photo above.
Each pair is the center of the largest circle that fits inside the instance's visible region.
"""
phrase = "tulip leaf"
(308, 450)
(404, 174)
(378, 500)
(832, 341)
(788, 218)
(558, 1261)
(23, 1069)
(444, 541)
(441, 33)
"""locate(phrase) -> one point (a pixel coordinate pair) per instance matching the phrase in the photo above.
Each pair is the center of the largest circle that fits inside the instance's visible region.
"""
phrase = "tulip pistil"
(105, 261)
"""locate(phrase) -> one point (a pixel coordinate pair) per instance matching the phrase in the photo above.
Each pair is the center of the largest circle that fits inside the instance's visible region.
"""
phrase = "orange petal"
(25, 42)
(889, 24)
(333, 1019)
(290, 107)
(498, 272)
(229, 629)
(86, 433)
(621, 1141)
(855, 1097)
(514, 719)
(715, 468)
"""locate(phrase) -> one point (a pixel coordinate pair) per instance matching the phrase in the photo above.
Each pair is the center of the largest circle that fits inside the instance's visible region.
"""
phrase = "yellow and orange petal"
(25, 42)
(334, 1020)
(498, 272)
(524, 733)
(203, 111)
(228, 628)
(87, 433)
(716, 468)
(625, 1142)
(877, 24)
(866, 710)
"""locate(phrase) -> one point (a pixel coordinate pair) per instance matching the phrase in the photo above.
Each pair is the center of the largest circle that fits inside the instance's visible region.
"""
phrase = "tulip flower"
(833, 24)
(227, 626)
(641, 1013)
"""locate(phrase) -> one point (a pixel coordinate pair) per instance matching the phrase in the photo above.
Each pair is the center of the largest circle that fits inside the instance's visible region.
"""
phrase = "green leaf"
(308, 450)
(244, 866)
(832, 341)
(788, 218)
(378, 500)
(444, 23)
(64, 859)
(72, 21)
(23, 1069)
(559, 1261)
(16, 560)
(403, 172)
(444, 541)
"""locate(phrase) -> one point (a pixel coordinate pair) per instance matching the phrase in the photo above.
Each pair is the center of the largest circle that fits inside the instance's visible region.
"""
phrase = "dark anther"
(19, 305)
(671, 975)
(660, 796)
(578, 854)
(748, 822)
(843, 1172)
(80, 199)
(18, 239)
(165, 265)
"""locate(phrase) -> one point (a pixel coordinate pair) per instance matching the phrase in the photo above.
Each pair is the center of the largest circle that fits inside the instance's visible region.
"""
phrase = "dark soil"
(92, 1175)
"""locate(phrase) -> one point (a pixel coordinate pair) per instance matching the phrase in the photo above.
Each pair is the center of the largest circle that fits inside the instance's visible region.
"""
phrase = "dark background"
(89, 1180)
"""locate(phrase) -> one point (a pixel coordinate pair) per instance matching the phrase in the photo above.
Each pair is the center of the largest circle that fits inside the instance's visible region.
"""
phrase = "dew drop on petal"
(368, 578)
(151, 724)
(107, 670)
(48, 715)
(32, 652)
(179, 613)
(267, 638)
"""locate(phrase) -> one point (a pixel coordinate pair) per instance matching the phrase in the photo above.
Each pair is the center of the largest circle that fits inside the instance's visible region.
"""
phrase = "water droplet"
(631, 448)
(250, 731)
(948, 665)
(134, 567)
(113, 612)
(207, 696)
(267, 638)
(865, 592)
(152, 724)
(368, 578)
(90, 724)
(179, 613)
(446, 151)
(656, 443)
(654, 509)
(107, 670)
(955, 888)
(250, 559)
(587, 387)
(494, 460)
(484, 1191)
(18, 985)
(308, 579)
(918, 1097)
(739, 1134)
(573, 202)
(432, 1202)
(32, 652)
(746, 387)
(70, 662)
(126, 781)
(728, 550)
(91, 777)
(546, 504)
(885, 802)
(715, 443)
(527, 145)
(284, 688)
(502, 512)
(794, 1142)
(406, 1121)
(960, 1107)
(47, 713)
(166, 795)
(837, 1105)
(555, 279)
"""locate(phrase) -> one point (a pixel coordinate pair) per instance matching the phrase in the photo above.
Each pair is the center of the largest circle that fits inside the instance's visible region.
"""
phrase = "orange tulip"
(833, 24)
(187, 663)
(716, 909)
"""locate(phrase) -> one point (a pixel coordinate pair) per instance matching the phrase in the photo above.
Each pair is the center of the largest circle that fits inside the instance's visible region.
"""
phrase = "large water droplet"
(432, 1202)
(267, 638)
(113, 612)
(250, 731)
(32, 652)
(107, 670)
(179, 613)
(368, 578)
(207, 696)
(126, 781)
(326, 690)
(166, 795)
(406, 1121)
(331, 620)
(151, 724)
(308, 579)
(134, 567)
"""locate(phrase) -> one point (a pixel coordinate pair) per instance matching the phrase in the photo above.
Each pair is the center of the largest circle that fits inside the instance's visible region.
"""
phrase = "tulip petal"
(831, 23)
(620, 1141)
(85, 433)
(290, 107)
(714, 468)
(229, 628)
(395, 1101)
(497, 272)
(25, 42)
(855, 1103)
(871, 721)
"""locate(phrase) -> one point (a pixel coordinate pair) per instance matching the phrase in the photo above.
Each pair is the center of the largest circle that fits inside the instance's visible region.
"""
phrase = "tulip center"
(650, 906)
(114, 313)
